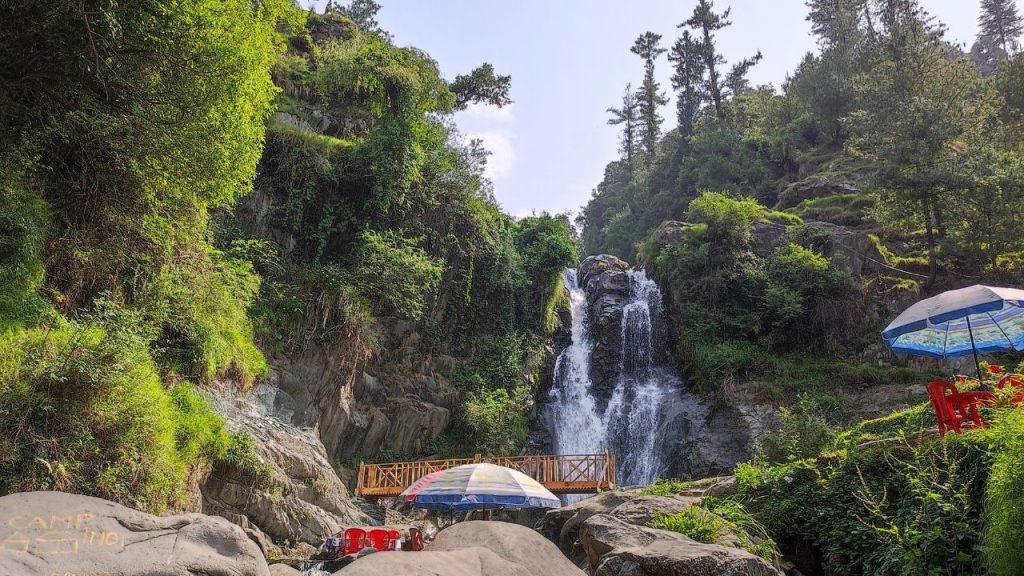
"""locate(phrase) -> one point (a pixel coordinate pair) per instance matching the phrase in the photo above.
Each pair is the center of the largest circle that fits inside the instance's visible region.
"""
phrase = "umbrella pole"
(974, 348)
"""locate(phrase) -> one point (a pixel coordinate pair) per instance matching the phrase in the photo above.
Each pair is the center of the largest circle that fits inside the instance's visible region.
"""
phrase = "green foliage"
(1004, 511)
(203, 315)
(84, 411)
(497, 420)
(23, 227)
(666, 487)
(693, 522)
(241, 456)
(395, 275)
(892, 510)
(803, 431)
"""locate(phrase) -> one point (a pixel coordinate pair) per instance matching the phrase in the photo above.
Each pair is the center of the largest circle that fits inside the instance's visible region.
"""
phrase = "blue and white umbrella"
(478, 487)
(959, 323)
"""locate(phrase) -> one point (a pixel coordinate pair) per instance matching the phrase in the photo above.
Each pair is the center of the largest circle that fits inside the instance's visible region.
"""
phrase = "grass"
(693, 522)
(1004, 498)
(666, 487)
(780, 377)
(844, 209)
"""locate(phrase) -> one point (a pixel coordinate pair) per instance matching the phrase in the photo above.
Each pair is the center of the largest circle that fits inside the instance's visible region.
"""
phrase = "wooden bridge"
(575, 474)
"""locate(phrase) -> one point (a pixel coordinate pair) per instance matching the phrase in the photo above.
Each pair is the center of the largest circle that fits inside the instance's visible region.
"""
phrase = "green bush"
(23, 225)
(804, 430)
(395, 275)
(693, 522)
(1004, 497)
(82, 409)
(893, 509)
(206, 329)
(666, 487)
(496, 419)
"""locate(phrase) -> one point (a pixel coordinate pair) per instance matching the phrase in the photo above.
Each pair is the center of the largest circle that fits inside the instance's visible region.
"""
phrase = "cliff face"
(605, 281)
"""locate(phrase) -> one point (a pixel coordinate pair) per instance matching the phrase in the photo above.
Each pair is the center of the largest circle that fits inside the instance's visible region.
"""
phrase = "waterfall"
(636, 416)
(646, 409)
(576, 426)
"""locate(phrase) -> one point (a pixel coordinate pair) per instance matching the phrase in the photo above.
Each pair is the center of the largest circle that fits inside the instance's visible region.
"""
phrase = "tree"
(687, 80)
(362, 12)
(647, 47)
(481, 85)
(736, 82)
(1001, 25)
(629, 117)
(836, 23)
(706, 22)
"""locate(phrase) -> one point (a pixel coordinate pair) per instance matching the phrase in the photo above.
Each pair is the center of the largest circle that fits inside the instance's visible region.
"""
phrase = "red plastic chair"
(354, 540)
(955, 410)
(379, 539)
(394, 537)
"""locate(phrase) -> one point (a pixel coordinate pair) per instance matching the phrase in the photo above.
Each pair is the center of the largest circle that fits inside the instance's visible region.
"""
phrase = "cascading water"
(647, 413)
(576, 426)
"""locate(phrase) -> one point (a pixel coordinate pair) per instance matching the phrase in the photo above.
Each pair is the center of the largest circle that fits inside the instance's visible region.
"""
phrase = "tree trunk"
(930, 237)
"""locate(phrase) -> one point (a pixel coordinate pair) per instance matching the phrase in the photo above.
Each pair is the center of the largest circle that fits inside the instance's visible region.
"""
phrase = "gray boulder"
(283, 570)
(810, 188)
(44, 533)
(473, 549)
(615, 548)
(303, 499)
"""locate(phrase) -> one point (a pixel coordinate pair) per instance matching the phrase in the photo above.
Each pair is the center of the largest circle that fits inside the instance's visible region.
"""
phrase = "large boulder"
(605, 281)
(301, 500)
(810, 188)
(616, 548)
(473, 549)
(45, 533)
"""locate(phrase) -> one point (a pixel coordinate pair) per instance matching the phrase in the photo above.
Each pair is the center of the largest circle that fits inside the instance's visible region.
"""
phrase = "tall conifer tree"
(647, 46)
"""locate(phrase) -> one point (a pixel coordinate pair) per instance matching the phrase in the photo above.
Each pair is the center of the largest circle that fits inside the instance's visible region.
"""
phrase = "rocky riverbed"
(45, 533)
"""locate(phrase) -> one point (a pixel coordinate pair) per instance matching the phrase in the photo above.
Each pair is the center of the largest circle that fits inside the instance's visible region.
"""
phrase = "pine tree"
(836, 23)
(706, 22)
(648, 96)
(629, 117)
(687, 80)
(1001, 25)
(736, 82)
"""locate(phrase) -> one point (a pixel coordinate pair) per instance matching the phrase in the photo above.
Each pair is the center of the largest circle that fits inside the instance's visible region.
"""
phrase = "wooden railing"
(566, 474)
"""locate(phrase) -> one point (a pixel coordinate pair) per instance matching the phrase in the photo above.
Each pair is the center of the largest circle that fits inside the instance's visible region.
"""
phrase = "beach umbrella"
(959, 323)
(478, 487)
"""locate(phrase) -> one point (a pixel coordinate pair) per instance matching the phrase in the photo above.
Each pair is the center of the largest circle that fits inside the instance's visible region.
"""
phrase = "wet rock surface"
(605, 280)
(45, 533)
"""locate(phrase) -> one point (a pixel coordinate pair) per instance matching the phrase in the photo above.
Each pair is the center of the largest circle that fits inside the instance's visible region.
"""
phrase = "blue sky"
(570, 61)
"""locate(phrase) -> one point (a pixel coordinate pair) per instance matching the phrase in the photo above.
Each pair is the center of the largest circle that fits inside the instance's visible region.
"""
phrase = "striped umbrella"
(959, 323)
(477, 487)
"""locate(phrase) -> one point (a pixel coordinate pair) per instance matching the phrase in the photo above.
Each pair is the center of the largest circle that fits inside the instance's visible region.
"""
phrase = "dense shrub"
(1004, 497)
(82, 409)
(497, 420)
(395, 275)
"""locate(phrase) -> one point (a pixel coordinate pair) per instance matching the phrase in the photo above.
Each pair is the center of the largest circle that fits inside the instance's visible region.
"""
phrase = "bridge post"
(477, 458)
(359, 479)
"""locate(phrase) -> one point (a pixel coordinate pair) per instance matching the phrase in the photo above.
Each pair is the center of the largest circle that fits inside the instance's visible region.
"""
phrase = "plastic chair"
(379, 539)
(394, 539)
(354, 540)
(955, 410)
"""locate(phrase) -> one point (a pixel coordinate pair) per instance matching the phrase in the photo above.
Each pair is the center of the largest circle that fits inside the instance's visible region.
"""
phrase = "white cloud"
(481, 113)
(503, 155)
